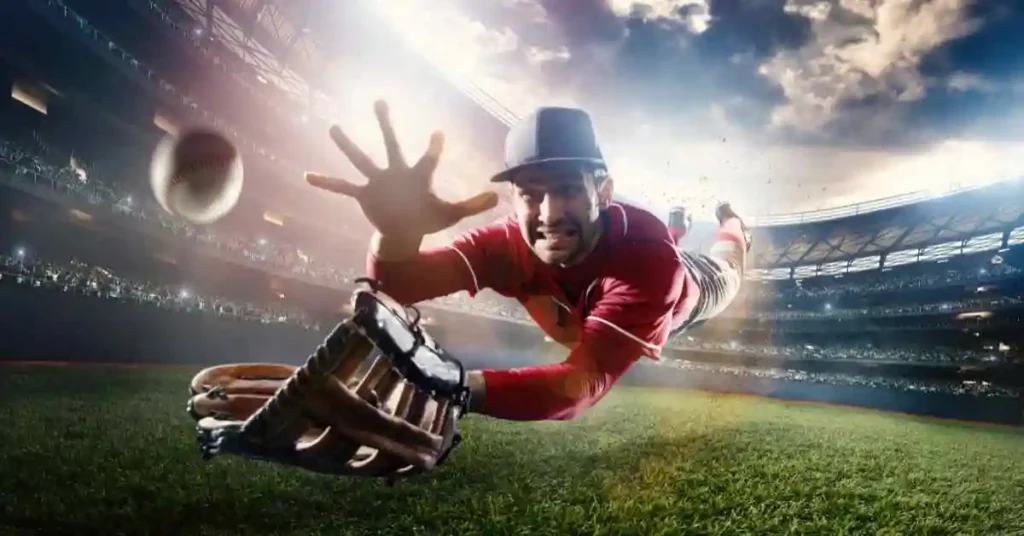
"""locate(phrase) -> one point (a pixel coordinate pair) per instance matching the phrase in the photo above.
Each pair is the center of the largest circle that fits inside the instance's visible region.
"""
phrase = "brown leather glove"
(377, 398)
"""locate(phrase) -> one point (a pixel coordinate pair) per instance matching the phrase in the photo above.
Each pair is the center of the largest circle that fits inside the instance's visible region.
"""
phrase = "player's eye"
(568, 192)
(531, 196)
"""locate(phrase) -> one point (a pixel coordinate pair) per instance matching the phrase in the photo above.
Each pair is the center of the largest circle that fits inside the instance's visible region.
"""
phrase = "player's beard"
(562, 244)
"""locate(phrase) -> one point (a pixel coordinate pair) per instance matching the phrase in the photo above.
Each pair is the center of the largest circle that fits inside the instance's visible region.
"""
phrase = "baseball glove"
(377, 398)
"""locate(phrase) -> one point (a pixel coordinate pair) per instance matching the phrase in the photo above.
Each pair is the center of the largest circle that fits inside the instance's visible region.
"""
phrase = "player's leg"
(732, 242)
(719, 273)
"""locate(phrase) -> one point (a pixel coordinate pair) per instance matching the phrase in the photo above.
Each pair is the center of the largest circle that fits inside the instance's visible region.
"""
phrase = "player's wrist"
(477, 390)
(395, 247)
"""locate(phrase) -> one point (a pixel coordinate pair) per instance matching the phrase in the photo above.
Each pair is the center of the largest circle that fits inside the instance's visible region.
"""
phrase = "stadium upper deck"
(252, 69)
(973, 221)
(246, 64)
(275, 72)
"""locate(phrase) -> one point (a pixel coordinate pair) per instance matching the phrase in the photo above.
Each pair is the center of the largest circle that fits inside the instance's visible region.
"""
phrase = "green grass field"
(111, 451)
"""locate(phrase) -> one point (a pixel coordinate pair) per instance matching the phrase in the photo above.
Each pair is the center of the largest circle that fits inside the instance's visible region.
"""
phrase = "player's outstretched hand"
(399, 200)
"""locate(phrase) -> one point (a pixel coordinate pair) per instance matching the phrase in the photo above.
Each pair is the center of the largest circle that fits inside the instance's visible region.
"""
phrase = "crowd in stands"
(842, 352)
(75, 276)
(96, 281)
(970, 388)
(31, 167)
(829, 288)
(954, 306)
(28, 167)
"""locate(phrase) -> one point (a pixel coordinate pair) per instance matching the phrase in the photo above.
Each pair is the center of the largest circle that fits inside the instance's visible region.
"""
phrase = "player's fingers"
(477, 204)
(334, 184)
(394, 151)
(359, 159)
(427, 163)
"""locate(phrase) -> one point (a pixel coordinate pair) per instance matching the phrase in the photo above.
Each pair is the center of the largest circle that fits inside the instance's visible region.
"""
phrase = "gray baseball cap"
(551, 136)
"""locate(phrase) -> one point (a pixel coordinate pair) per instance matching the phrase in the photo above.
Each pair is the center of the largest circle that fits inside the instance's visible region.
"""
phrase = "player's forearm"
(554, 392)
(546, 393)
(409, 275)
(561, 391)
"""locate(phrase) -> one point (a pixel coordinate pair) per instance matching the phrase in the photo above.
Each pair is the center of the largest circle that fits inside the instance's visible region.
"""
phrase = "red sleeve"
(465, 264)
(677, 234)
(631, 319)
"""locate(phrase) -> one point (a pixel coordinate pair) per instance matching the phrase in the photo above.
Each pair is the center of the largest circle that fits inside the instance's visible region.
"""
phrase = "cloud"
(540, 56)
(965, 82)
(779, 105)
(861, 50)
(695, 15)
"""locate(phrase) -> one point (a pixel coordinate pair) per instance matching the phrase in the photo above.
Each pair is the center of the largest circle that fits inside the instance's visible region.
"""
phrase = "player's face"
(559, 212)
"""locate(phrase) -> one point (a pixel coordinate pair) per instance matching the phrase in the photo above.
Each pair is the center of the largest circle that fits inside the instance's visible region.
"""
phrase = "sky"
(777, 105)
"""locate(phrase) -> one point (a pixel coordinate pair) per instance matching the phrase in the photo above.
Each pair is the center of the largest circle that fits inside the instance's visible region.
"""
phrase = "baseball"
(197, 175)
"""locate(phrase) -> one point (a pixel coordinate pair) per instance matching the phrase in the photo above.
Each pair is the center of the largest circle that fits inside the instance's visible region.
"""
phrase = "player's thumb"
(477, 204)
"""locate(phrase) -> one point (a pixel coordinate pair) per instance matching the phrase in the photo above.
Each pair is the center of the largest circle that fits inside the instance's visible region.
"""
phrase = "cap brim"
(554, 164)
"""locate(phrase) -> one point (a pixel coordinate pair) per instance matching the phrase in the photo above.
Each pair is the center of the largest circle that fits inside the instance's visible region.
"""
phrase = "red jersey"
(620, 303)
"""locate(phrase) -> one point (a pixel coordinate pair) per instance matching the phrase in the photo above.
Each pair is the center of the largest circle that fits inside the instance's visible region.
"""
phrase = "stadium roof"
(983, 219)
(272, 36)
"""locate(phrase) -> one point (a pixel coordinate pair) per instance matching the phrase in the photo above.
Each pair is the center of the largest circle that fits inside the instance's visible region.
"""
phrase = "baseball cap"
(551, 135)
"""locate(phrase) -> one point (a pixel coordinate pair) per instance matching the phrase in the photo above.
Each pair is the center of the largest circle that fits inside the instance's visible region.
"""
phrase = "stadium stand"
(922, 298)
(82, 279)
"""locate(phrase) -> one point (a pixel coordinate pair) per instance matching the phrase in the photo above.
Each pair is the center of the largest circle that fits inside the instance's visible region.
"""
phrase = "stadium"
(868, 379)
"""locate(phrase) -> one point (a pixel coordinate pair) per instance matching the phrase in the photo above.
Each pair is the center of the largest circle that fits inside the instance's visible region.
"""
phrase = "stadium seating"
(876, 297)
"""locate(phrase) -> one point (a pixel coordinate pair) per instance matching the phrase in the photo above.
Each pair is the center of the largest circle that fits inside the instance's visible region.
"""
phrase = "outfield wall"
(1000, 410)
(50, 324)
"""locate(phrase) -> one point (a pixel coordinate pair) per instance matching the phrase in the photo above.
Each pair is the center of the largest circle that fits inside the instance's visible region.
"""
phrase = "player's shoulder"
(638, 231)
(637, 224)
(643, 253)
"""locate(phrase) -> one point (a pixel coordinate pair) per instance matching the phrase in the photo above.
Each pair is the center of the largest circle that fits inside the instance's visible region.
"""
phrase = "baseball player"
(605, 279)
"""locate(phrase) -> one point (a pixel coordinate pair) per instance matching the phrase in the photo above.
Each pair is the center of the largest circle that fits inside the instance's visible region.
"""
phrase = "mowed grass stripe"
(84, 450)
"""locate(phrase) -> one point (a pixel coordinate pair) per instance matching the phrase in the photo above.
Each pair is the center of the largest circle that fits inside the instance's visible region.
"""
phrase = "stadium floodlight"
(974, 315)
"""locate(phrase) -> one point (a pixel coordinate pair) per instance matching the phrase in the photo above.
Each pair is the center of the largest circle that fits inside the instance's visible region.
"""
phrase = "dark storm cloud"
(879, 73)
(638, 62)
(645, 65)
(983, 77)
(994, 53)
(845, 71)
(754, 27)
(584, 22)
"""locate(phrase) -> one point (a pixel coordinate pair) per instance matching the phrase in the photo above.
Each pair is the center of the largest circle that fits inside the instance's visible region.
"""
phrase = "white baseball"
(197, 176)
